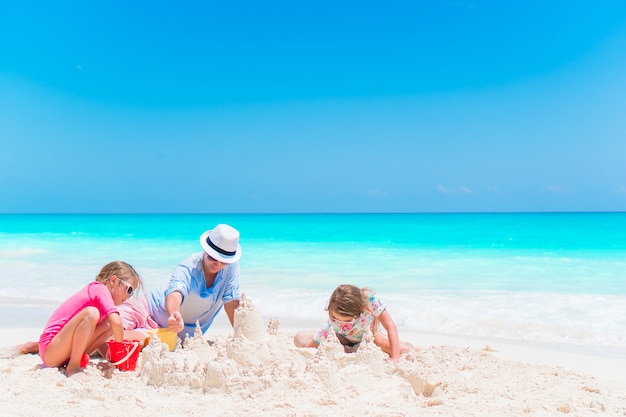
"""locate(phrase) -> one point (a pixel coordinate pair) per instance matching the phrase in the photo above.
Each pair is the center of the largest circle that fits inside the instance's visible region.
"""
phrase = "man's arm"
(230, 310)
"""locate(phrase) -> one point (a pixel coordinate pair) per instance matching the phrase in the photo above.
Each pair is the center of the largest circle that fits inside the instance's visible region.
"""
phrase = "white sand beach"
(256, 370)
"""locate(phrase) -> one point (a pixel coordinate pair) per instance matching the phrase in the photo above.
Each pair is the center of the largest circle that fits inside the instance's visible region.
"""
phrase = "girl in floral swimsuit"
(352, 313)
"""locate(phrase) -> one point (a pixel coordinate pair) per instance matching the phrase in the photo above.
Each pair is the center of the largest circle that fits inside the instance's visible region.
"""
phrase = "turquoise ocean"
(556, 279)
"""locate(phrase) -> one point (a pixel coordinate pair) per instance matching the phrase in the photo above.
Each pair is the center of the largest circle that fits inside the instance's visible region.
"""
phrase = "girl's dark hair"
(348, 300)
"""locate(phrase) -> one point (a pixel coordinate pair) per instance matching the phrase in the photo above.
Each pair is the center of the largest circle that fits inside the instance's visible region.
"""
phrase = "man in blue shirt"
(199, 287)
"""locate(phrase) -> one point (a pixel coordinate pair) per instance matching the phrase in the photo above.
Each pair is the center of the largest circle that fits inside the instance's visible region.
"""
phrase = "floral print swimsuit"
(353, 332)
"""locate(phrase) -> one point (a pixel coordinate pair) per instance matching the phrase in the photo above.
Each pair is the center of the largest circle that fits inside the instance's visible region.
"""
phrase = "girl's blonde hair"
(120, 269)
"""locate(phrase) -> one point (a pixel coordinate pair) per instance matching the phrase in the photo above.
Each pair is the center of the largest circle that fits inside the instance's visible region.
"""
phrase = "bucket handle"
(128, 355)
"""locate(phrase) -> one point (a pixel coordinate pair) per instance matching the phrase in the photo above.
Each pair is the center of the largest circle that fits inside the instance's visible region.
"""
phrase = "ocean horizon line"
(312, 213)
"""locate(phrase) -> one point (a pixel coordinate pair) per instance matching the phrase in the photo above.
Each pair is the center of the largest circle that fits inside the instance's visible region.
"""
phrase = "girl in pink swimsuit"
(88, 318)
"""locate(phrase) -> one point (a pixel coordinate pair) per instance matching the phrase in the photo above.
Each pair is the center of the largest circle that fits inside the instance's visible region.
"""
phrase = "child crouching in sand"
(87, 319)
(352, 312)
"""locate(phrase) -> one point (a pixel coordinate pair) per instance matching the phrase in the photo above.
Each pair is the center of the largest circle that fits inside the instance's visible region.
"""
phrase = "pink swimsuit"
(94, 294)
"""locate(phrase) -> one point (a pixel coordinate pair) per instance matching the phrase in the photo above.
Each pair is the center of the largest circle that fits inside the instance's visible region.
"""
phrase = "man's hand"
(175, 322)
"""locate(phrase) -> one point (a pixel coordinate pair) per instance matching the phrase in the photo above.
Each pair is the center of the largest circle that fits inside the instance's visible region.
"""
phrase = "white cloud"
(376, 193)
(556, 189)
(458, 190)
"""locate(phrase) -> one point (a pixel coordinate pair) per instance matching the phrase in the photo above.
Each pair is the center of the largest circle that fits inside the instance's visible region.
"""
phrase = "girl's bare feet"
(28, 347)
(79, 375)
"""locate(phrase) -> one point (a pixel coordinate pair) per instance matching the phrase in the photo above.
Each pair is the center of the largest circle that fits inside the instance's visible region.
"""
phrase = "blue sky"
(325, 106)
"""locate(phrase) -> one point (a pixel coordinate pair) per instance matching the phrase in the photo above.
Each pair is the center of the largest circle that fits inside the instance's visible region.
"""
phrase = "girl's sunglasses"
(341, 322)
(129, 288)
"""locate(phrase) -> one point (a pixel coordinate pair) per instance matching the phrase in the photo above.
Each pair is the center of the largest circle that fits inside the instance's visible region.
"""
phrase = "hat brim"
(215, 254)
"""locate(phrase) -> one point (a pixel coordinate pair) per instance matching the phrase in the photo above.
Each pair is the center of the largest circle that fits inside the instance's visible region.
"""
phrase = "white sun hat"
(222, 243)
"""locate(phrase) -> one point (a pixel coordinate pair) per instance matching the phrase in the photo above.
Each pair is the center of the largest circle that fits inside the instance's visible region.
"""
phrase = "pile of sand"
(259, 360)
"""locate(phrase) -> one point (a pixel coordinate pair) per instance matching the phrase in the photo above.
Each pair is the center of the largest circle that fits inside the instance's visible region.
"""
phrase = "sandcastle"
(258, 359)
(248, 321)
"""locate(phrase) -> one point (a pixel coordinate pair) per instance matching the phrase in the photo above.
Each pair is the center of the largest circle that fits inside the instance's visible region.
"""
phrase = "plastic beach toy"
(165, 335)
(124, 354)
